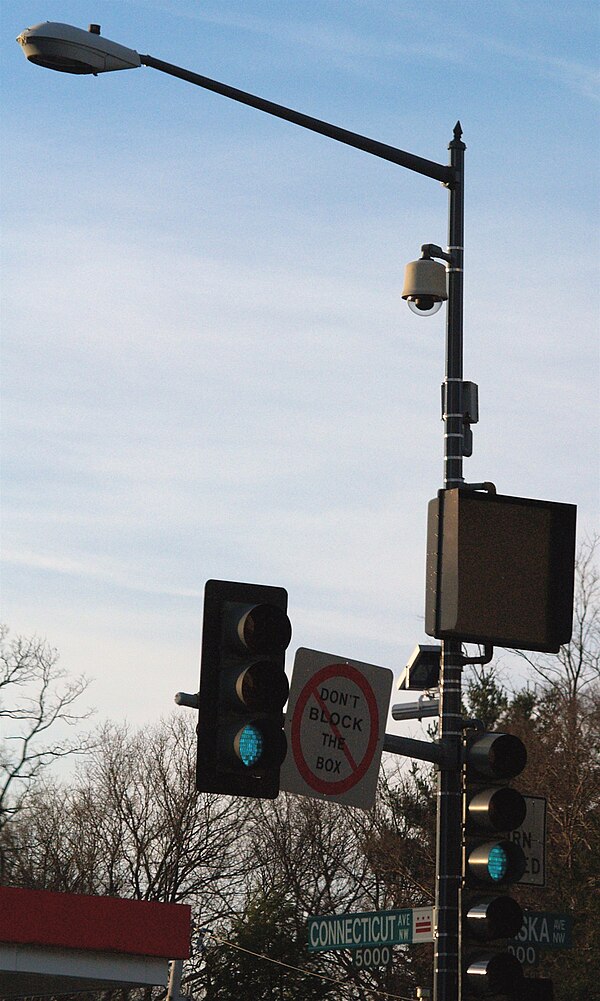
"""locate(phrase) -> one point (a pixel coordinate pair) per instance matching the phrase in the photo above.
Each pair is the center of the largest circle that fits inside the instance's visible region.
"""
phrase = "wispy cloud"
(94, 568)
(576, 76)
(365, 43)
(357, 34)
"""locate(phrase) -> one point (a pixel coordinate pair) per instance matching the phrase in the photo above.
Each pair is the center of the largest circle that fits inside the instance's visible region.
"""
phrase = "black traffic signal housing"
(491, 864)
(243, 688)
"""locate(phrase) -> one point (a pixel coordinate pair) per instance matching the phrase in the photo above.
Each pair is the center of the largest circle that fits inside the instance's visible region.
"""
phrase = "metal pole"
(446, 968)
(174, 986)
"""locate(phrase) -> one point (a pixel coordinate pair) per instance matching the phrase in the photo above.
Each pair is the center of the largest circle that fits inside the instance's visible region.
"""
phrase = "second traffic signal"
(243, 688)
(491, 864)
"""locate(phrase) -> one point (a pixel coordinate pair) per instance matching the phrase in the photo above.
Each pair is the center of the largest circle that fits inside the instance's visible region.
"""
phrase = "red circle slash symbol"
(313, 690)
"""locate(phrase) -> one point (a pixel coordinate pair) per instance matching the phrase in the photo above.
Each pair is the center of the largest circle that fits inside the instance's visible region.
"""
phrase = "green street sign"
(371, 957)
(528, 955)
(369, 929)
(352, 931)
(545, 930)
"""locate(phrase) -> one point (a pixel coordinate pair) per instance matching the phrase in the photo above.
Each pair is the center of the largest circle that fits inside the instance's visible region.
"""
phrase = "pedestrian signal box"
(500, 570)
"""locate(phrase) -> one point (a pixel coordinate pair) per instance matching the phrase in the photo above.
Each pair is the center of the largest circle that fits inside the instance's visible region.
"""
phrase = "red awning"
(62, 943)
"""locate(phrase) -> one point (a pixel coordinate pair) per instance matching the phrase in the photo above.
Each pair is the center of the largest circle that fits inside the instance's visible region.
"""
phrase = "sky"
(207, 367)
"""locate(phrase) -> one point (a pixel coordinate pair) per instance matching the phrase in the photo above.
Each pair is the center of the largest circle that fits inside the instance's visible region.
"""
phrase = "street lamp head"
(425, 286)
(72, 50)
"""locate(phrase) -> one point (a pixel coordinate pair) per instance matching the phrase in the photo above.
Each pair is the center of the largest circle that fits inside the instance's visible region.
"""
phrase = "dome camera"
(425, 286)
(423, 305)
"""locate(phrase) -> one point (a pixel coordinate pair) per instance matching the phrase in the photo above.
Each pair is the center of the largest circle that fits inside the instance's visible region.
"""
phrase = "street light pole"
(446, 972)
(73, 50)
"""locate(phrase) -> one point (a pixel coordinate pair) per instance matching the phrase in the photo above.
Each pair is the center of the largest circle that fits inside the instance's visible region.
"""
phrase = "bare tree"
(558, 717)
(131, 824)
(312, 857)
(37, 702)
(577, 665)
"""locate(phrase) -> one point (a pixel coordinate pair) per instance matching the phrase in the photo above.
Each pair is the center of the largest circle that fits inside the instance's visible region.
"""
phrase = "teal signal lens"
(250, 745)
(497, 863)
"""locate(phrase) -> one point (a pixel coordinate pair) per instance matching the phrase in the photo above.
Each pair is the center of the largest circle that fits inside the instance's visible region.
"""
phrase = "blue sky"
(208, 370)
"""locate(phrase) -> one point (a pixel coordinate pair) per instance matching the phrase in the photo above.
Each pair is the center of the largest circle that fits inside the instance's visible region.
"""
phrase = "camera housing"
(425, 286)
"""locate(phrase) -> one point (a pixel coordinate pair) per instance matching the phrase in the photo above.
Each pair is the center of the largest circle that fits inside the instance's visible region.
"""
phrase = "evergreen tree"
(266, 950)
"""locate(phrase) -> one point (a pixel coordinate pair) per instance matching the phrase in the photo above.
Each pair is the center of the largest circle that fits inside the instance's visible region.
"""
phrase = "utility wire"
(308, 973)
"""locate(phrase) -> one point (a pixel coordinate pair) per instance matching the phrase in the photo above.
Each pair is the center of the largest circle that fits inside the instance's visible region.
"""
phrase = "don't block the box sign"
(500, 570)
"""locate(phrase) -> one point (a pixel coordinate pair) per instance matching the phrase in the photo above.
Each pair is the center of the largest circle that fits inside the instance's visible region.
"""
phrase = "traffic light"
(491, 863)
(243, 688)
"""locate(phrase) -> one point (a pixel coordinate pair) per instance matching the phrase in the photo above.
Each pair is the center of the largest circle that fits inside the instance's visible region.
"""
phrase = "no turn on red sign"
(335, 726)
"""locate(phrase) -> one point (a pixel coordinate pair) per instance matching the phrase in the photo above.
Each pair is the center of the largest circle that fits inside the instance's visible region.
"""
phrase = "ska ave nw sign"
(335, 727)
(541, 930)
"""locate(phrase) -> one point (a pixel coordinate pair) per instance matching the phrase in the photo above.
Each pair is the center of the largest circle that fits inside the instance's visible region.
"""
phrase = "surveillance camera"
(423, 305)
(425, 286)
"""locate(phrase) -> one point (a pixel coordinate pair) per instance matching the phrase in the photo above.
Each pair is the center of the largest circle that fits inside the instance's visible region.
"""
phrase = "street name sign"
(531, 836)
(527, 953)
(335, 728)
(541, 930)
(370, 929)
(546, 930)
(371, 957)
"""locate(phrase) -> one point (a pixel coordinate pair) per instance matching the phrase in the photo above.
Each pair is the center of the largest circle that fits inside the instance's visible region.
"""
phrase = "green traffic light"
(250, 745)
(243, 688)
(497, 863)
(491, 806)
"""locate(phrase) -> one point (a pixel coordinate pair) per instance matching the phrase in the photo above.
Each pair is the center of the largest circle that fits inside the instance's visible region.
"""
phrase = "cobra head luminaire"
(62, 47)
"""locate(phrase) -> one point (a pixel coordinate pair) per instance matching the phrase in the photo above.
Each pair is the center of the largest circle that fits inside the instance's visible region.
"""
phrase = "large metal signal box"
(500, 570)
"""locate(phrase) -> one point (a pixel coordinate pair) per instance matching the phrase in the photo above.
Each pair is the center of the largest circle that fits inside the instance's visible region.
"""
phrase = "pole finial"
(457, 130)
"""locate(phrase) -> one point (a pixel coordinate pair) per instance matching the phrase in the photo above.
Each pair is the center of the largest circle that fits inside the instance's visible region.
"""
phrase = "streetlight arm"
(438, 171)
(68, 49)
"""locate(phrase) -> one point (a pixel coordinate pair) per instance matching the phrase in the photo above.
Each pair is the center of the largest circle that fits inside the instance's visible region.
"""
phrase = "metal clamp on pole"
(467, 412)
(485, 658)
(486, 486)
(473, 724)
